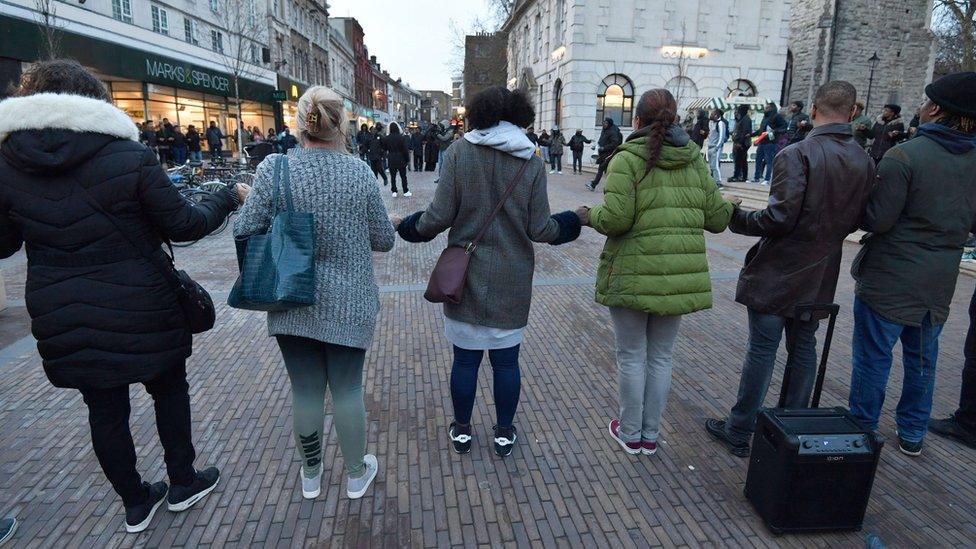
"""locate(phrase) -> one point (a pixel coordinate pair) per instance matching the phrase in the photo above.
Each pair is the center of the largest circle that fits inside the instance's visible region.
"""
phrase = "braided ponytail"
(656, 109)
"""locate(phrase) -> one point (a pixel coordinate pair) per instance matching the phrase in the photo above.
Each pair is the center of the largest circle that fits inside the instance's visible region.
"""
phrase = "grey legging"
(312, 366)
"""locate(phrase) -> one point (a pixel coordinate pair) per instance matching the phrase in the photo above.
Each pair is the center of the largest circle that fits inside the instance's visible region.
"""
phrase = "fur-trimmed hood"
(64, 112)
(51, 133)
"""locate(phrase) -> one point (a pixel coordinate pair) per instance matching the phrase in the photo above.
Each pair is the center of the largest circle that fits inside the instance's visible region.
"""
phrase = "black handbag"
(196, 303)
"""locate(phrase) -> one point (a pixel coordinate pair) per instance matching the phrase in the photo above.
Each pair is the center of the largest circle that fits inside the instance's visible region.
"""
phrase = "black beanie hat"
(955, 92)
(894, 108)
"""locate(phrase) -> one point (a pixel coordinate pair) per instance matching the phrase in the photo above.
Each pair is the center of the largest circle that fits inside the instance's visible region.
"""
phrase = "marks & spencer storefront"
(145, 85)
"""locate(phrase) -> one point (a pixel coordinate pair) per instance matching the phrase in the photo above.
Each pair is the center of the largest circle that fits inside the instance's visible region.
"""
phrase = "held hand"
(583, 213)
(735, 200)
(243, 189)
(396, 220)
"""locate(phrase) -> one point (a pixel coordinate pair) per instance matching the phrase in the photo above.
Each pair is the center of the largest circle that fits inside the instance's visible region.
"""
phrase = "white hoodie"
(505, 137)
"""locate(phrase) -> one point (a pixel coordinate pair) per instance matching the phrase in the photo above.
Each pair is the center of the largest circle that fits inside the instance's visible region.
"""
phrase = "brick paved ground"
(565, 484)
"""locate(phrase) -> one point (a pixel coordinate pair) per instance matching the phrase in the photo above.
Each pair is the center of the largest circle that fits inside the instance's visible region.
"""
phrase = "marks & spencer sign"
(184, 75)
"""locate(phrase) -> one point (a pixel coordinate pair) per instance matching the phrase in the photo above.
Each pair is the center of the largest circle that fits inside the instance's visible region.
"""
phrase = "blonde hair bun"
(321, 115)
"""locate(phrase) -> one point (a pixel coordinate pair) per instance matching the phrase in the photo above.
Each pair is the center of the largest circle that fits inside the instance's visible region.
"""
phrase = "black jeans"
(393, 177)
(418, 161)
(108, 416)
(966, 414)
(578, 161)
(216, 153)
(740, 157)
(376, 164)
(601, 167)
(556, 162)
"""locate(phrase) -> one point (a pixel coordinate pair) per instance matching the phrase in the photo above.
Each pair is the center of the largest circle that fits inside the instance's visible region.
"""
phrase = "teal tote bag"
(278, 267)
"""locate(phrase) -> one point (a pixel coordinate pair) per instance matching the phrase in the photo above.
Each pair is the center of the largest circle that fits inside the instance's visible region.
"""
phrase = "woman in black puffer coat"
(103, 316)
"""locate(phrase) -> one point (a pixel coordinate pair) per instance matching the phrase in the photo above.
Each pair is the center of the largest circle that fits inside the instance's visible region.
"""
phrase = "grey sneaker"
(311, 487)
(356, 487)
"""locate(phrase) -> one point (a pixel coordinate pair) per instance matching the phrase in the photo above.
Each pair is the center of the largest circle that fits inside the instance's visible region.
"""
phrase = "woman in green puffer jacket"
(659, 200)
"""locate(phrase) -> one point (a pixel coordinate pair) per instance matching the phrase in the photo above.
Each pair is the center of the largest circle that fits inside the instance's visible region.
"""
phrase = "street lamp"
(874, 64)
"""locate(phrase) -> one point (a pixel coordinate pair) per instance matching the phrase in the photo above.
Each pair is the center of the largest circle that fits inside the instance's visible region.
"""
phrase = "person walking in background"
(556, 144)
(376, 153)
(699, 132)
(533, 138)
(362, 140)
(417, 149)
(718, 134)
(445, 138)
(193, 143)
(544, 141)
(797, 261)
(324, 345)
(431, 148)
(861, 124)
(888, 131)
(494, 310)
(215, 143)
(741, 141)
(93, 279)
(576, 145)
(798, 124)
(610, 139)
(149, 138)
(272, 138)
(918, 219)
(287, 141)
(396, 146)
(659, 200)
(178, 146)
(774, 126)
(165, 133)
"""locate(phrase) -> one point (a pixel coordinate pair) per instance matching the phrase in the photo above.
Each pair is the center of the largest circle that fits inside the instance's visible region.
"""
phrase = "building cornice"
(517, 11)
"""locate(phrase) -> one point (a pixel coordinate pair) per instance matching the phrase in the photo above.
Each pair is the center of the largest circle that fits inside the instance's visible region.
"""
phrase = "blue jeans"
(765, 153)
(507, 383)
(196, 155)
(765, 334)
(874, 339)
(179, 155)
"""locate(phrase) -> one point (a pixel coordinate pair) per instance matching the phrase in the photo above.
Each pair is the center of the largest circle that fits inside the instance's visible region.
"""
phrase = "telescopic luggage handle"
(805, 313)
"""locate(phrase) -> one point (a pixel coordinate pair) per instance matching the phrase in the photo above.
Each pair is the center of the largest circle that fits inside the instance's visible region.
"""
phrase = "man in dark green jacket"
(919, 216)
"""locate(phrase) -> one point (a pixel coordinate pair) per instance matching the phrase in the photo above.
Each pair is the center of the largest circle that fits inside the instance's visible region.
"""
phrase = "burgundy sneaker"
(648, 447)
(632, 448)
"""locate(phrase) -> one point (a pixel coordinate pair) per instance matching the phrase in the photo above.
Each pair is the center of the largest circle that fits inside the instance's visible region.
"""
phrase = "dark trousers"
(966, 414)
(556, 162)
(765, 154)
(376, 164)
(216, 153)
(740, 158)
(765, 334)
(179, 155)
(393, 177)
(418, 161)
(601, 167)
(108, 417)
(506, 380)
(578, 161)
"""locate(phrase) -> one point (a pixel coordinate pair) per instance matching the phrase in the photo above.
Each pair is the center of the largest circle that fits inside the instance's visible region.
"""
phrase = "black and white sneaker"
(505, 438)
(909, 448)
(460, 437)
(138, 517)
(182, 498)
(8, 527)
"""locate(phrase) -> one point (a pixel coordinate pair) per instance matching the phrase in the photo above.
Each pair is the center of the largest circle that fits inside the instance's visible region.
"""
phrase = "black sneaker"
(950, 428)
(182, 498)
(505, 438)
(910, 448)
(138, 517)
(460, 437)
(737, 446)
(591, 186)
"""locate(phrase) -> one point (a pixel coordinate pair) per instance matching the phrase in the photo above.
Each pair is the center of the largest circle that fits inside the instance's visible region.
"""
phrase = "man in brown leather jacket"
(819, 189)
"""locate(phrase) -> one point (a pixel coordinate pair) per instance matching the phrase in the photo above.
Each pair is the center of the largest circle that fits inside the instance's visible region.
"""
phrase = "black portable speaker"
(811, 470)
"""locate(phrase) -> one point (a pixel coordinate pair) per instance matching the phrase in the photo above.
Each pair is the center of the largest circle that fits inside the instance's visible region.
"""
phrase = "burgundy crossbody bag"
(447, 279)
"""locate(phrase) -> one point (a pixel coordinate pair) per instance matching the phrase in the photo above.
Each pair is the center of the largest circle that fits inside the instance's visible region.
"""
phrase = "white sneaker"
(356, 487)
(552, 172)
(311, 487)
(407, 194)
(394, 195)
(560, 172)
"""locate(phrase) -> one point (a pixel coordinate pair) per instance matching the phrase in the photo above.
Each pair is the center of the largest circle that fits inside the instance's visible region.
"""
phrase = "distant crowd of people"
(175, 147)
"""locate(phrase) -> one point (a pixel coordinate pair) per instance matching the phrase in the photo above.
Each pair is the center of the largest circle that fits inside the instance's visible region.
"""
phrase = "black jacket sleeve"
(174, 217)
(10, 237)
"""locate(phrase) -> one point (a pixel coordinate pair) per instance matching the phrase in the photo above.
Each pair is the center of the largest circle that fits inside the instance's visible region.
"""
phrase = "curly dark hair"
(497, 103)
(61, 76)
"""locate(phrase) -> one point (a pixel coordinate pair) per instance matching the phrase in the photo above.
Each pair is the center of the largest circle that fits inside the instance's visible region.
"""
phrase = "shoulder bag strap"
(501, 203)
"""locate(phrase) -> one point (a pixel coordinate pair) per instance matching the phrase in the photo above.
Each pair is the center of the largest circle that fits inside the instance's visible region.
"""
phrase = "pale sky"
(412, 38)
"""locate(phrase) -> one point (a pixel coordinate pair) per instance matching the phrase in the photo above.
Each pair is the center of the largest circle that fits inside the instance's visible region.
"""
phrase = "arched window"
(615, 100)
(741, 88)
(557, 96)
(683, 89)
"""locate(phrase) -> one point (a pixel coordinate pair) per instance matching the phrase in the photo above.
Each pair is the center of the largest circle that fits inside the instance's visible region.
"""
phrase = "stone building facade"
(435, 106)
(485, 62)
(833, 40)
(582, 60)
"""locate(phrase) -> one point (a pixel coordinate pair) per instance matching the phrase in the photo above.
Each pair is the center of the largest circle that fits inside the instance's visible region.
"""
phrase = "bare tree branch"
(955, 31)
(49, 26)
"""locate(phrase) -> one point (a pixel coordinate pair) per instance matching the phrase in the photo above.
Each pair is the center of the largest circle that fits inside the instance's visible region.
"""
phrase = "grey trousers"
(765, 334)
(644, 361)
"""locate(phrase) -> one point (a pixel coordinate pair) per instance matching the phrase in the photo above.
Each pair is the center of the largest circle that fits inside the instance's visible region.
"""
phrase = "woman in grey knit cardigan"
(498, 290)
(324, 345)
